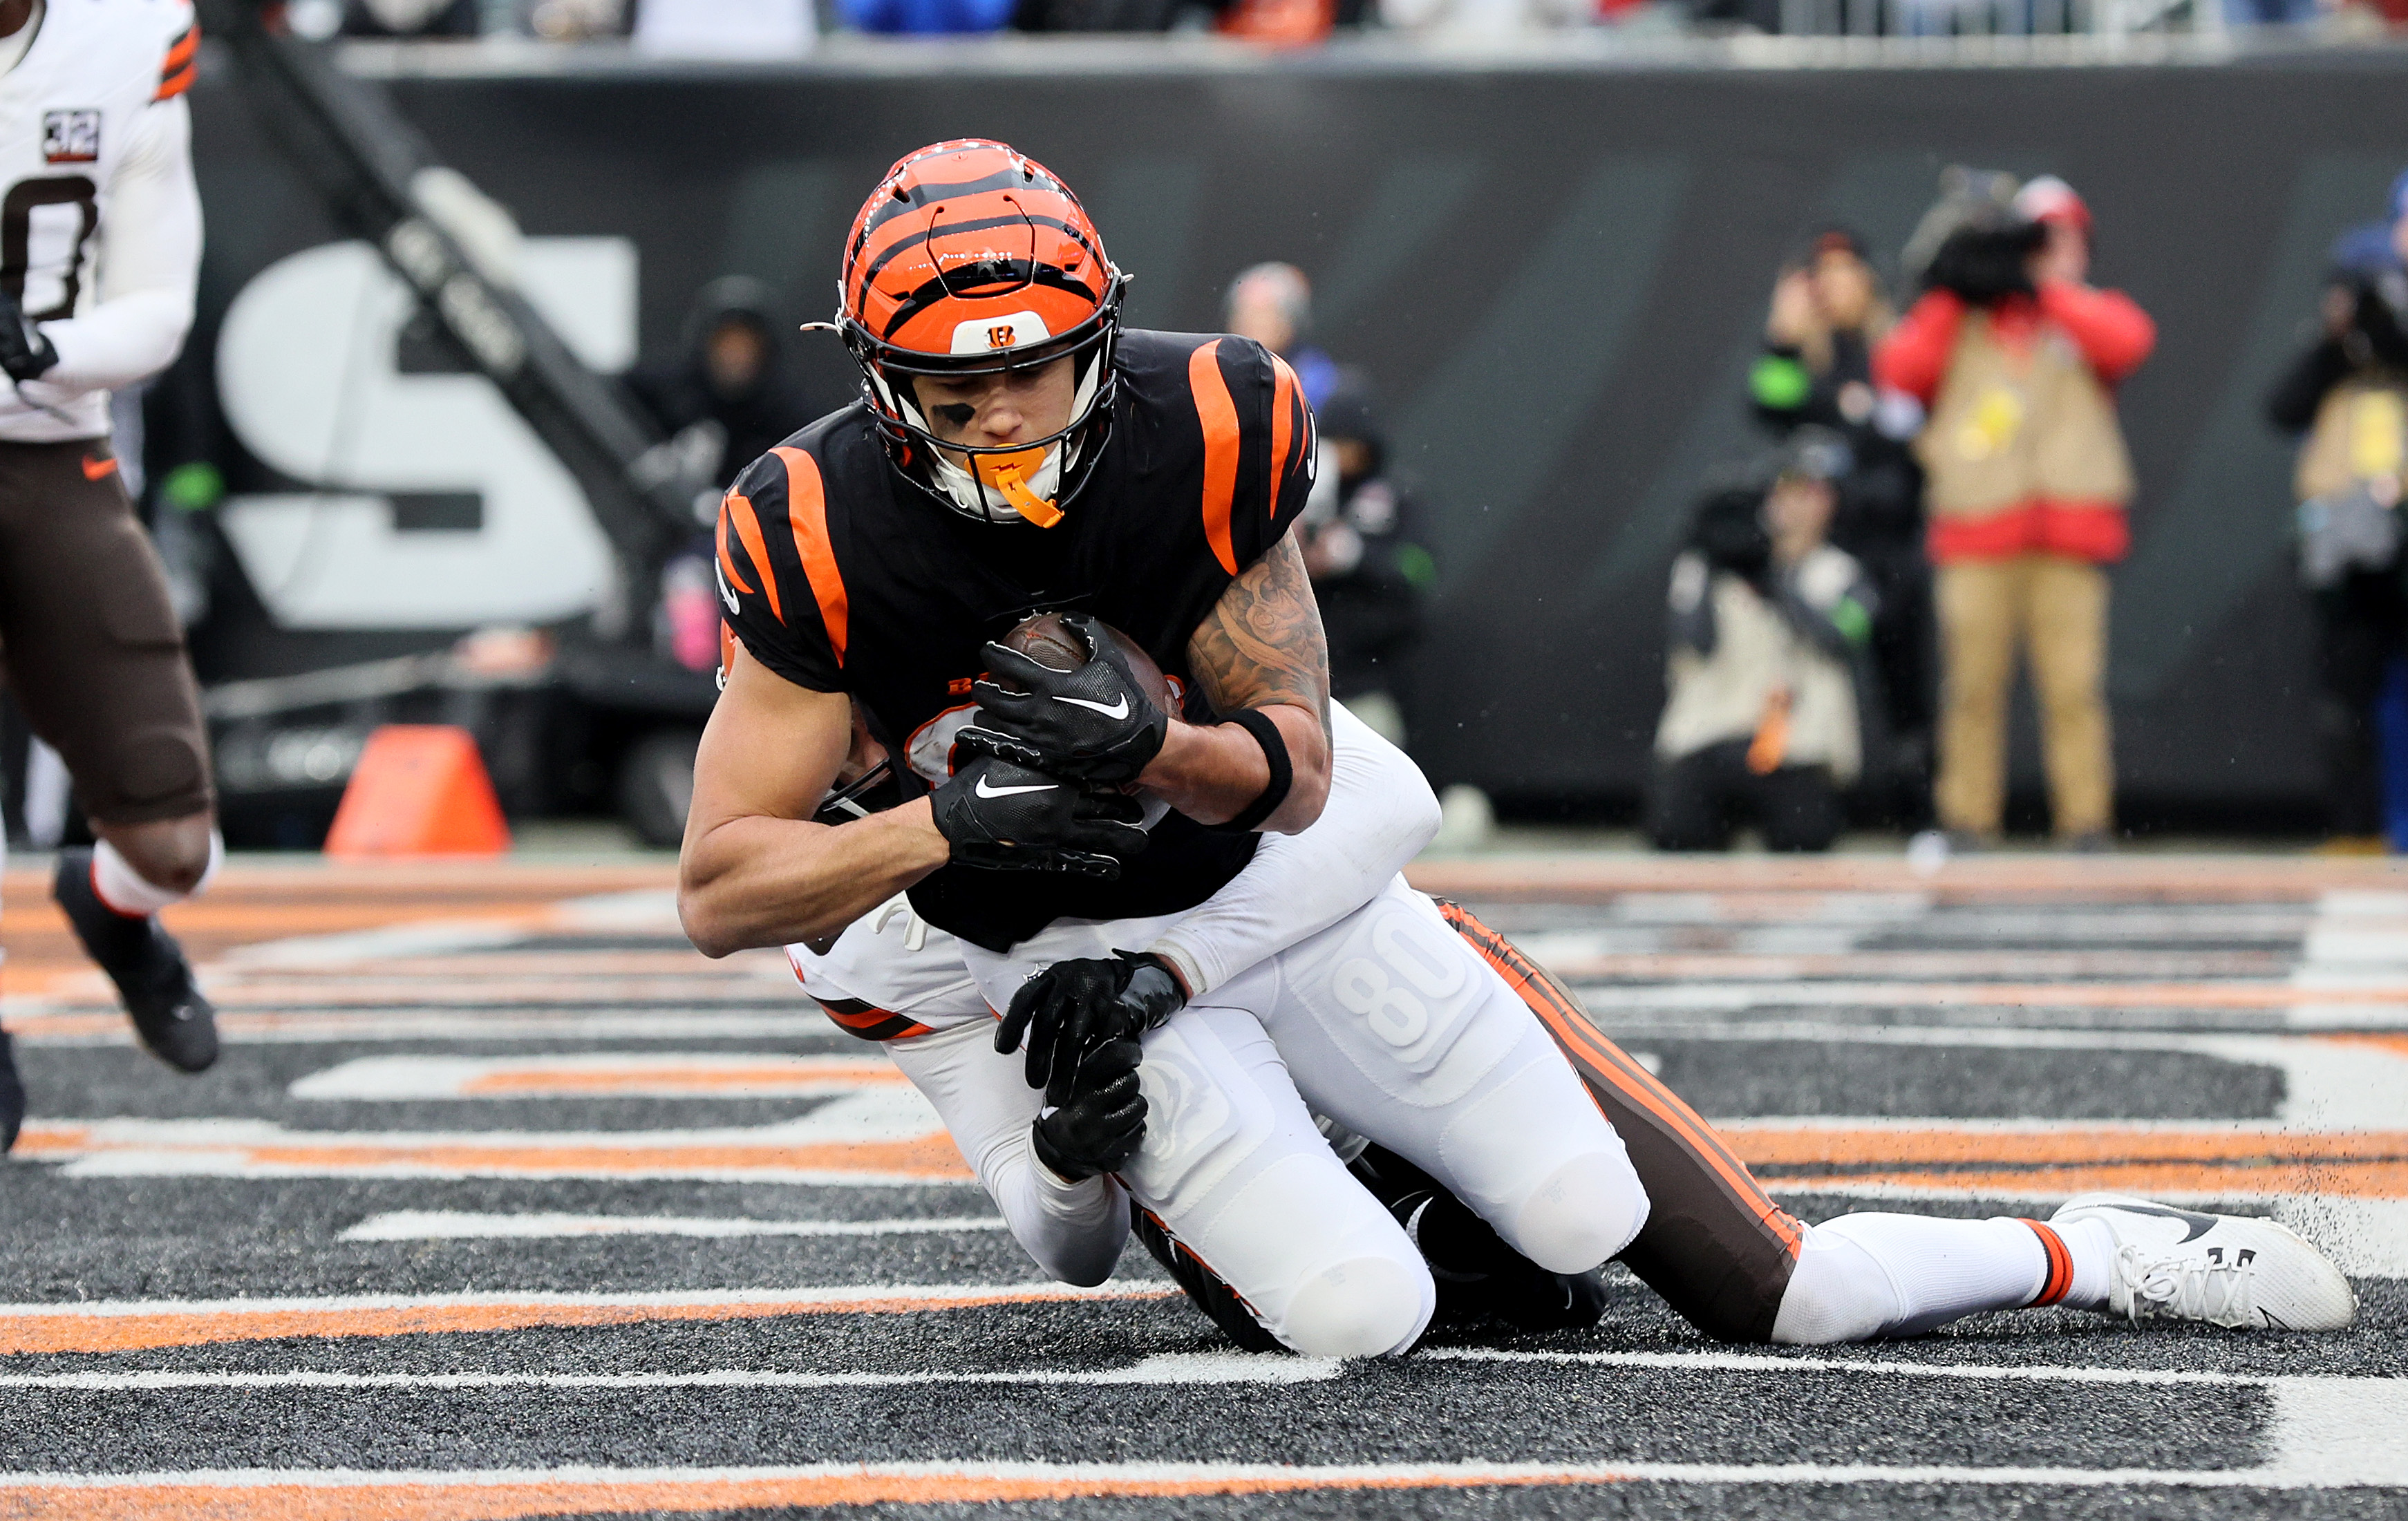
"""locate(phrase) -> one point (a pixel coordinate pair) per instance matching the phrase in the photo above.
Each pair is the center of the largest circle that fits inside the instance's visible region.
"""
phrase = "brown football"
(1047, 641)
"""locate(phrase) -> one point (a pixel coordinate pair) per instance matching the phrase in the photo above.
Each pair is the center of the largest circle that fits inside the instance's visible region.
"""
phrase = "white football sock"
(1865, 1275)
(127, 892)
(2092, 1246)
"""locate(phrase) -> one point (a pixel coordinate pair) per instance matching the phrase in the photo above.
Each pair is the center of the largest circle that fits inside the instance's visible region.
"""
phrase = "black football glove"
(1102, 1124)
(1009, 818)
(26, 354)
(1073, 1005)
(1094, 723)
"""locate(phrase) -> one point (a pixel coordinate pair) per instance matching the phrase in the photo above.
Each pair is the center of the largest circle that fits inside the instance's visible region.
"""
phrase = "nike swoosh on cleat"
(984, 791)
(1119, 710)
(2199, 1223)
(96, 469)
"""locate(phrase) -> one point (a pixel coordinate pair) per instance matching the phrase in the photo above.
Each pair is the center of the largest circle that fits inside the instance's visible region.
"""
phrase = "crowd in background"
(1940, 492)
(1848, 618)
(758, 27)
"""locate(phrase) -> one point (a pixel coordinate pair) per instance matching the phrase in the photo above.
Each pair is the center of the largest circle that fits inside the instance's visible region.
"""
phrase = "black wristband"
(1266, 734)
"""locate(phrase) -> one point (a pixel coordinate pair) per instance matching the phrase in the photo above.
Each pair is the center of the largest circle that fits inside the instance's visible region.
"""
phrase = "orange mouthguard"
(1009, 475)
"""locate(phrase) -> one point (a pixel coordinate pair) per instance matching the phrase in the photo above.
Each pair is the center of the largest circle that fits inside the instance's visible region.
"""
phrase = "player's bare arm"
(1261, 648)
(756, 870)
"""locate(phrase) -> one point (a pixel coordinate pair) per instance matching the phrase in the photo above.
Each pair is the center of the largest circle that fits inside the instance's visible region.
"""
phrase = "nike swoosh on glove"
(1009, 818)
(1102, 1124)
(1073, 1005)
(26, 354)
(1094, 723)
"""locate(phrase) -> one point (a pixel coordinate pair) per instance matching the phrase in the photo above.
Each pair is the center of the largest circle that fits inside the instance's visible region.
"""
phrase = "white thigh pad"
(1204, 1114)
(1396, 991)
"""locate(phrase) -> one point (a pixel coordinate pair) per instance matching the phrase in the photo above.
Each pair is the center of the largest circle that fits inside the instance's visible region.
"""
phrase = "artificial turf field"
(503, 1202)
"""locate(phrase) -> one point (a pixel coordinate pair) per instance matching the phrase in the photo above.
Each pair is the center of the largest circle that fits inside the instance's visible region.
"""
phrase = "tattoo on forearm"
(1262, 642)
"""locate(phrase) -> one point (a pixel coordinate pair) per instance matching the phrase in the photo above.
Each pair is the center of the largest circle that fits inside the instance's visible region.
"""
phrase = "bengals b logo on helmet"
(1000, 337)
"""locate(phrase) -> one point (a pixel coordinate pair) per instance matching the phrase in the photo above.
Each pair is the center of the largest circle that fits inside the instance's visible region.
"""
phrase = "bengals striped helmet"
(972, 259)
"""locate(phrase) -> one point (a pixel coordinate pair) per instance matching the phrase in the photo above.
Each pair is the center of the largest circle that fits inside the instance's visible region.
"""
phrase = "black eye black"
(959, 413)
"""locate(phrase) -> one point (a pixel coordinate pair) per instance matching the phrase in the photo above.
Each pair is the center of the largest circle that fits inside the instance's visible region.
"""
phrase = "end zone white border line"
(1105, 1477)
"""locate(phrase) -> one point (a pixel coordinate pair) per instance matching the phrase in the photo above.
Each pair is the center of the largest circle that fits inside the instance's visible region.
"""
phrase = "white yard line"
(374, 1026)
(1175, 1368)
(710, 1488)
(1766, 1362)
(2327, 1085)
(2388, 1013)
(457, 1226)
(2327, 1431)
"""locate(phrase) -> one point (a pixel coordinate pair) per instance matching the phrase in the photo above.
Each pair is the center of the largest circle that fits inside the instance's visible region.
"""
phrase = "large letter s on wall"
(307, 375)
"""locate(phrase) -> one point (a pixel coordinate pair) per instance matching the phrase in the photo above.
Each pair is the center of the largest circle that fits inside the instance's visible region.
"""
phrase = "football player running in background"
(96, 279)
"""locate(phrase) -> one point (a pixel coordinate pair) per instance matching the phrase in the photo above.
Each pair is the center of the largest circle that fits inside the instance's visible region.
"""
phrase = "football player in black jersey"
(1015, 450)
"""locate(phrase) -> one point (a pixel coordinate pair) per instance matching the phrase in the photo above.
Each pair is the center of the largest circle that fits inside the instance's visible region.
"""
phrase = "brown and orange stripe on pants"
(1715, 1246)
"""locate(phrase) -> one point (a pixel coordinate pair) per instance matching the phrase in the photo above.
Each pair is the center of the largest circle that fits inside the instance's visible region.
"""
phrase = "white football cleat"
(2226, 1270)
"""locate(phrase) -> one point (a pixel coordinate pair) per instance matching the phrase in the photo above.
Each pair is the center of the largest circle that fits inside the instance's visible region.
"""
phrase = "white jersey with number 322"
(99, 221)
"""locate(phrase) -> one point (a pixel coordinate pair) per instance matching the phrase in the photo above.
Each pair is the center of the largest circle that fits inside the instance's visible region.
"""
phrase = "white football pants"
(1390, 1025)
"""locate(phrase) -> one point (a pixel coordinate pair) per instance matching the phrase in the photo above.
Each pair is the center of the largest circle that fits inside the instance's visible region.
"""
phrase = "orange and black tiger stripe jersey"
(841, 576)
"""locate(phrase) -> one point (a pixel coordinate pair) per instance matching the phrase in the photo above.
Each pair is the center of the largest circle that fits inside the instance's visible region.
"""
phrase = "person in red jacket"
(2015, 357)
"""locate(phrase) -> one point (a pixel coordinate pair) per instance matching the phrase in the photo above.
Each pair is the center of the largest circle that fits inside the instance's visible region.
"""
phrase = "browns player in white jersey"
(100, 242)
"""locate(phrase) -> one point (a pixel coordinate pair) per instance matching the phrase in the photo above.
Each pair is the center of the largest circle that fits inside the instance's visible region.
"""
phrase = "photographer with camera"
(1768, 623)
(1828, 314)
(2015, 357)
(2346, 397)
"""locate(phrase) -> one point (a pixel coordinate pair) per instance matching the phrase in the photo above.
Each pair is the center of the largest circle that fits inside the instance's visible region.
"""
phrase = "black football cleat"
(12, 1095)
(1479, 1277)
(170, 1013)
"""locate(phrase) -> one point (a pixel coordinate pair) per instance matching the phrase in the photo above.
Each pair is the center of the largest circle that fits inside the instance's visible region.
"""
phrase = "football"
(1046, 639)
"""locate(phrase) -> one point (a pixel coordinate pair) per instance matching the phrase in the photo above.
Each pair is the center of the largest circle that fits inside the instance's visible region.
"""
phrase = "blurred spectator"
(726, 401)
(926, 18)
(726, 28)
(1489, 18)
(2347, 394)
(1367, 572)
(1279, 23)
(731, 382)
(1272, 305)
(2270, 13)
(1767, 620)
(2015, 357)
(1816, 369)
(397, 17)
(576, 21)
(1097, 15)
